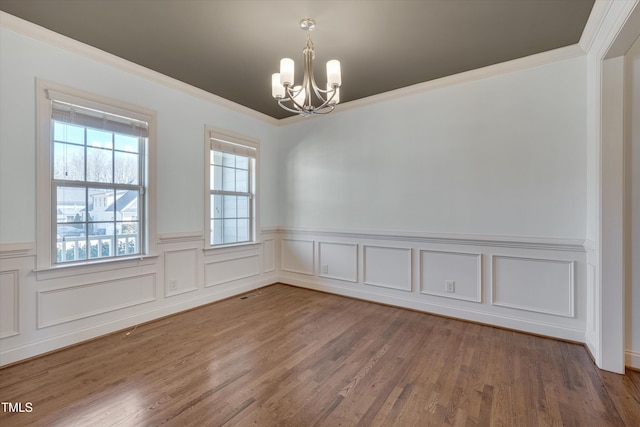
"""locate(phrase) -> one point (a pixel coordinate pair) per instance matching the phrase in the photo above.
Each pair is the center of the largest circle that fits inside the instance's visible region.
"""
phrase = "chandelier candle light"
(299, 99)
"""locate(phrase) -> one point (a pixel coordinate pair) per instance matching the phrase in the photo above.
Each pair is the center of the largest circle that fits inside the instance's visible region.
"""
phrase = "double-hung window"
(98, 176)
(231, 181)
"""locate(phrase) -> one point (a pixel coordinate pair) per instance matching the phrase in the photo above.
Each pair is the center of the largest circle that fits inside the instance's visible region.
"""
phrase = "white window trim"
(211, 132)
(44, 222)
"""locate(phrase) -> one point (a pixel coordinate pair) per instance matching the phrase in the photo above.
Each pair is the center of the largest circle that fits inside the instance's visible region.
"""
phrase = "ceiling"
(231, 47)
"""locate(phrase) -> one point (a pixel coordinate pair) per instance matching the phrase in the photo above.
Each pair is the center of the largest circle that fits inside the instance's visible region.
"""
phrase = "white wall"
(632, 156)
(504, 155)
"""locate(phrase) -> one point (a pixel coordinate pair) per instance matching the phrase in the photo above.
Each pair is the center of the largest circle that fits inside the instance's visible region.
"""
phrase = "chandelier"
(299, 99)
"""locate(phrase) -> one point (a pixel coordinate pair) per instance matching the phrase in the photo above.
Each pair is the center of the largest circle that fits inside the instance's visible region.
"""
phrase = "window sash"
(220, 219)
(118, 239)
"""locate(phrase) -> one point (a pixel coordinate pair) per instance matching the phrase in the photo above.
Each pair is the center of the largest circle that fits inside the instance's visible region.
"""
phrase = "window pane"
(128, 237)
(71, 231)
(68, 162)
(216, 178)
(242, 162)
(126, 206)
(242, 180)
(243, 230)
(70, 205)
(229, 230)
(216, 206)
(228, 179)
(126, 168)
(216, 158)
(229, 203)
(99, 139)
(228, 160)
(68, 133)
(99, 165)
(101, 204)
(243, 207)
(127, 143)
(101, 246)
(101, 229)
(71, 249)
(216, 232)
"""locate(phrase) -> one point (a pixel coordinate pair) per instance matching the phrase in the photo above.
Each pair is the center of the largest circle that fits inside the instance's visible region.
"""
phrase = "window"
(98, 179)
(231, 205)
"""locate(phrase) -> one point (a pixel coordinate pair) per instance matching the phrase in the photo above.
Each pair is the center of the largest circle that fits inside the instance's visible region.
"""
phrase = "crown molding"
(477, 74)
(36, 32)
(42, 34)
(594, 23)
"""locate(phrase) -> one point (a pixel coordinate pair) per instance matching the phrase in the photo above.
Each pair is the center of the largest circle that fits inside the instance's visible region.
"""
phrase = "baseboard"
(57, 343)
(632, 359)
(489, 319)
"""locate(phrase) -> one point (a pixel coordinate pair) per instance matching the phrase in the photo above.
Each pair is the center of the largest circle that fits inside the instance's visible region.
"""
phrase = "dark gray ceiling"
(231, 47)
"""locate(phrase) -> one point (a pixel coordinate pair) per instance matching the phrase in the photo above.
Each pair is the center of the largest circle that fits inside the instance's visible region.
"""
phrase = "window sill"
(84, 267)
(234, 247)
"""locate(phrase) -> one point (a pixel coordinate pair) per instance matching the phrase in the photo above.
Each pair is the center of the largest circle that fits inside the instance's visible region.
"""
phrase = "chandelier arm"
(291, 95)
(297, 110)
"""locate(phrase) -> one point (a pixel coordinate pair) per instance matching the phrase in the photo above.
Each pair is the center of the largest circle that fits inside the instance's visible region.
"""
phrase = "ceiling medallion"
(299, 99)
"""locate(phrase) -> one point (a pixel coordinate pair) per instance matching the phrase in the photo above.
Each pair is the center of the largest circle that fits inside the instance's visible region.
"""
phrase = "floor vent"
(248, 296)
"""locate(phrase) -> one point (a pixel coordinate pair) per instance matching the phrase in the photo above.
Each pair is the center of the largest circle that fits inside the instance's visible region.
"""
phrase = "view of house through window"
(97, 184)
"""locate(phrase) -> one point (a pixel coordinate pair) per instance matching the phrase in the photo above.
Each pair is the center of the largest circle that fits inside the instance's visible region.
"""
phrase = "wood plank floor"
(294, 357)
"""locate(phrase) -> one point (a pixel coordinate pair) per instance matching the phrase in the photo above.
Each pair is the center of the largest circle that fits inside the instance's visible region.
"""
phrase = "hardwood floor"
(294, 357)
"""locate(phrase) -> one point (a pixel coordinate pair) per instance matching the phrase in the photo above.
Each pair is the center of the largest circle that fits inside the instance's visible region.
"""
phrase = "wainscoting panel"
(56, 306)
(539, 285)
(338, 261)
(9, 295)
(298, 256)
(462, 270)
(181, 271)
(268, 255)
(386, 266)
(231, 269)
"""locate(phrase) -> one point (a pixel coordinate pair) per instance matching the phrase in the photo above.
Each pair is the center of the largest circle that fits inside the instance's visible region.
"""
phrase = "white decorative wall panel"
(540, 285)
(61, 305)
(228, 270)
(386, 266)
(338, 261)
(462, 270)
(9, 303)
(297, 256)
(268, 255)
(181, 271)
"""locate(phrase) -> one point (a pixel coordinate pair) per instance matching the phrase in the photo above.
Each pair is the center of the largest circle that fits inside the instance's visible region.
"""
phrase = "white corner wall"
(479, 184)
